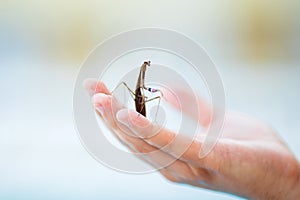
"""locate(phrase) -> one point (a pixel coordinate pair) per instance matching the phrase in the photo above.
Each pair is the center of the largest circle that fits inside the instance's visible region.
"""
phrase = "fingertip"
(90, 84)
(99, 98)
(131, 118)
(94, 86)
(122, 113)
(101, 88)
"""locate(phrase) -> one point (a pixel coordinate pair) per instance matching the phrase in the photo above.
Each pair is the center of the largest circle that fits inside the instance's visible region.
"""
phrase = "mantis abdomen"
(140, 105)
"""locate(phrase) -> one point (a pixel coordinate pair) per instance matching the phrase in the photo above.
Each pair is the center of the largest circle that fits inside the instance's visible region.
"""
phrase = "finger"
(103, 104)
(169, 175)
(178, 146)
(159, 159)
(179, 100)
(175, 170)
(106, 100)
(108, 114)
(151, 154)
(156, 158)
(93, 86)
(107, 106)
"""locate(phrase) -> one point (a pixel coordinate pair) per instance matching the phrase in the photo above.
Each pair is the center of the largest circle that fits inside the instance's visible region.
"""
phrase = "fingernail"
(99, 101)
(132, 119)
(122, 116)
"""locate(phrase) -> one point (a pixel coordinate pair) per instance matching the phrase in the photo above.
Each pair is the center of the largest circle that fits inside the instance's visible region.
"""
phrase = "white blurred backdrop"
(255, 45)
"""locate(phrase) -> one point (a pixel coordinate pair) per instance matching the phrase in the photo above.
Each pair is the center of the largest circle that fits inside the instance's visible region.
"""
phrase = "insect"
(138, 94)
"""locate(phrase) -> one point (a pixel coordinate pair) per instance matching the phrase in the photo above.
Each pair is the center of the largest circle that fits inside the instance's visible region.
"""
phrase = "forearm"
(295, 191)
(280, 184)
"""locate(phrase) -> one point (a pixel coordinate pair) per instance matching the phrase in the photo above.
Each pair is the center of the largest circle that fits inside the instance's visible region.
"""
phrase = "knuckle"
(142, 148)
(171, 178)
(192, 152)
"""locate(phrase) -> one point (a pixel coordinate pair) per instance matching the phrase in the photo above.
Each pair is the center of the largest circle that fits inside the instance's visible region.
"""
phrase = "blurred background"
(254, 43)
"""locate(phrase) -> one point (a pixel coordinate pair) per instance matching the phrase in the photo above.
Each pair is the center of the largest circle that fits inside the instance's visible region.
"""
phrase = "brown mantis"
(139, 94)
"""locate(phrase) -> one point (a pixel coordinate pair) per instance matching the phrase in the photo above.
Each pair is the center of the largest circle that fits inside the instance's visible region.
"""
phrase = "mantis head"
(147, 63)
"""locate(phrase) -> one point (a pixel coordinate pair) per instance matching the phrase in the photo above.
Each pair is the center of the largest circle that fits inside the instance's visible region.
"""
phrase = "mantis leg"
(132, 94)
(158, 97)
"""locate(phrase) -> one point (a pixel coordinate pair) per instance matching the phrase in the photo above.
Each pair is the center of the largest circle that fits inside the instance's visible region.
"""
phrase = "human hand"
(249, 160)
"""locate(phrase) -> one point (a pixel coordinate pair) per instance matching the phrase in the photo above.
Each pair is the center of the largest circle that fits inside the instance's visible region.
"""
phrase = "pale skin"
(249, 160)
